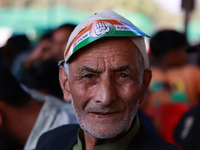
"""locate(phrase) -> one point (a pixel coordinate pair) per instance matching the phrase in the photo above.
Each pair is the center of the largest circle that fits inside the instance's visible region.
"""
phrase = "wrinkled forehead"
(119, 50)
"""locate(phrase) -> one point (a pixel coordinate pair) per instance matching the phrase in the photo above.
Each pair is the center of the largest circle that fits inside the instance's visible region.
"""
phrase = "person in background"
(165, 46)
(186, 133)
(44, 78)
(175, 85)
(105, 74)
(14, 47)
(50, 47)
(41, 52)
(25, 114)
(41, 67)
(59, 40)
(170, 70)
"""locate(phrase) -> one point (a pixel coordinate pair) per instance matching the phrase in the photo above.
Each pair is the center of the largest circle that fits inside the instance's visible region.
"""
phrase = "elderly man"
(105, 75)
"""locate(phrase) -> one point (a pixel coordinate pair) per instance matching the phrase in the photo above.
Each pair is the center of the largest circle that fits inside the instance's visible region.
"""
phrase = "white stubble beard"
(116, 129)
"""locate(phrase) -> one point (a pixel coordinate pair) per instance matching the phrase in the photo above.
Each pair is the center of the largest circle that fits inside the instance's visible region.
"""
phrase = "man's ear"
(64, 83)
(146, 81)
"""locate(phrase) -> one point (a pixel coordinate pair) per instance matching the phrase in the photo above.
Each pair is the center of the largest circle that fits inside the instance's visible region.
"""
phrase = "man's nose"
(106, 91)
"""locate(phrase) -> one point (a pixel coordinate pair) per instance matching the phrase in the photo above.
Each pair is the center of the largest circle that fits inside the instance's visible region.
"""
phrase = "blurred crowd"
(32, 91)
(175, 86)
(31, 100)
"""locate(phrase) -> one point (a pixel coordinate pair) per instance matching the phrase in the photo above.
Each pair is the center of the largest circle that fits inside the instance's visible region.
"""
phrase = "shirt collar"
(121, 144)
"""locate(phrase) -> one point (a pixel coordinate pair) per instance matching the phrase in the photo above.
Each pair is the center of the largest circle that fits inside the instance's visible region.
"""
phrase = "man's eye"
(123, 75)
(89, 76)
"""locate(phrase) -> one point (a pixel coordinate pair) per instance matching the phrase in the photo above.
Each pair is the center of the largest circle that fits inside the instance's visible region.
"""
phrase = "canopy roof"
(21, 20)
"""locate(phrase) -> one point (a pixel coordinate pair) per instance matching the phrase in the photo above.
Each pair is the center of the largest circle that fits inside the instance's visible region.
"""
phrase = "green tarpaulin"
(21, 20)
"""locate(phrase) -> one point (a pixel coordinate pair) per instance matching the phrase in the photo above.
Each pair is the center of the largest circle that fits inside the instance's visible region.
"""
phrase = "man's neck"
(91, 141)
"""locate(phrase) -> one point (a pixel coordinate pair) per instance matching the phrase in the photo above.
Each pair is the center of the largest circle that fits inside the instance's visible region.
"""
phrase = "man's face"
(105, 85)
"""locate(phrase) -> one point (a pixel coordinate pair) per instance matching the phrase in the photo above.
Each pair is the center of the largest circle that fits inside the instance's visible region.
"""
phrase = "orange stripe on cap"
(77, 37)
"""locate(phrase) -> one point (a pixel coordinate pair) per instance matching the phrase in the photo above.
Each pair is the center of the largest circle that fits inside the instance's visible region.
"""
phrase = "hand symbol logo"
(101, 28)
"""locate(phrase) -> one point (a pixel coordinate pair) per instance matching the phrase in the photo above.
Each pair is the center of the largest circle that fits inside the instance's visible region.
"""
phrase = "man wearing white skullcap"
(105, 73)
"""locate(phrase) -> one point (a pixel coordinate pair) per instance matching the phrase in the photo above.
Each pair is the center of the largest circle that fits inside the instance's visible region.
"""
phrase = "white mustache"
(103, 109)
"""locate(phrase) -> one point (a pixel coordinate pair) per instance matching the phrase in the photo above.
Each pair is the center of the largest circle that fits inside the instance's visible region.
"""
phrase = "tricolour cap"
(105, 24)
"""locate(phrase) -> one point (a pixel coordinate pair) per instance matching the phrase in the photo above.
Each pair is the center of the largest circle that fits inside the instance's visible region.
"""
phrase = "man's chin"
(103, 131)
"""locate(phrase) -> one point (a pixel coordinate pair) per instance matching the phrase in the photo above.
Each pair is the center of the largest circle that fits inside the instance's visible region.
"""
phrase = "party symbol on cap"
(101, 28)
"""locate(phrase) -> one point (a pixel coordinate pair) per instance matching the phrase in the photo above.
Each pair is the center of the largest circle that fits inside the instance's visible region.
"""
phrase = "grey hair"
(66, 68)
